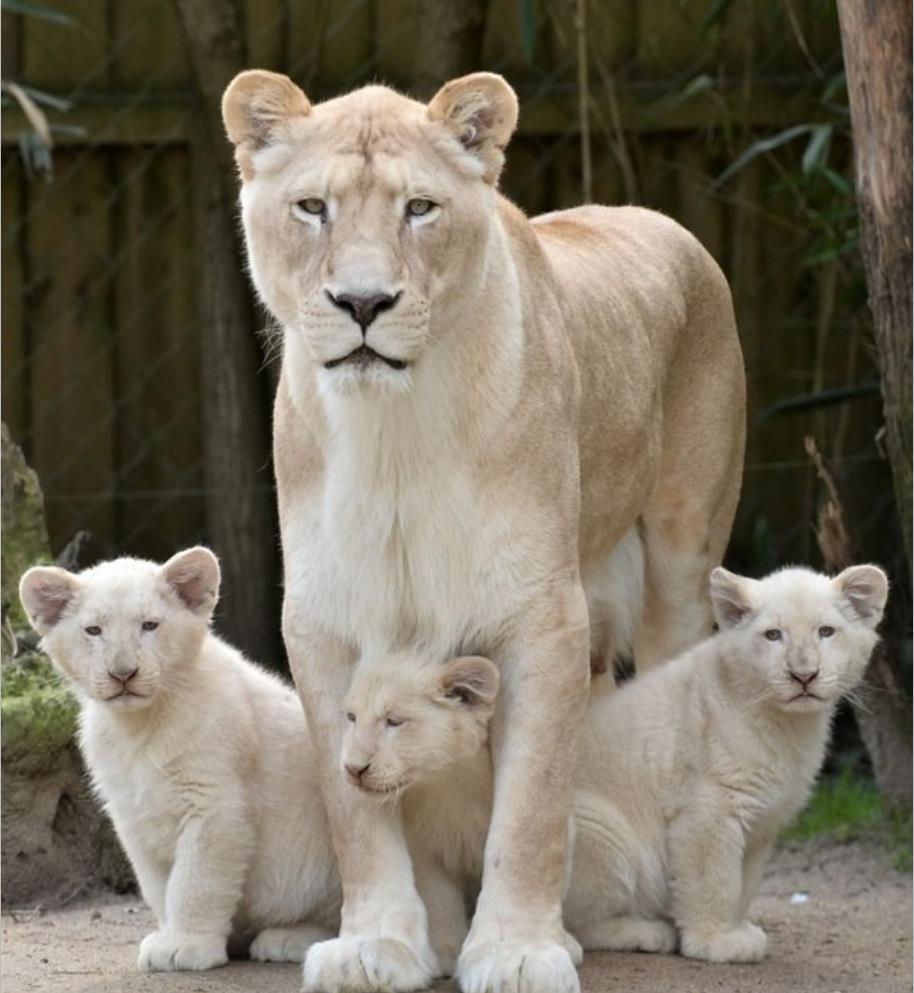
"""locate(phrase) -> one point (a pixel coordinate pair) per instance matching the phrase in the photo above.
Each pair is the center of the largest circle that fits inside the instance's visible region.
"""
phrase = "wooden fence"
(101, 364)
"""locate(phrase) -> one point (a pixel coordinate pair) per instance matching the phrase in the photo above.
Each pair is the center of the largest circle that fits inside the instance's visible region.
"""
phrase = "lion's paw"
(745, 943)
(286, 944)
(517, 967)
(630, 934)
(171, 951)
(363, 965)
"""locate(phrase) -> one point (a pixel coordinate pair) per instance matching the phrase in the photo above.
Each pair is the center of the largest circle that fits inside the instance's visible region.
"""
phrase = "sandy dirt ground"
(852, 932)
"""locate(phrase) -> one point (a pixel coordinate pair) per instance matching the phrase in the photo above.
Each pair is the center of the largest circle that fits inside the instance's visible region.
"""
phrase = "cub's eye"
(93, 629)
(350, 717)
(773, 634)
(826, 631)
(393, 722)
(150, 625)
(312, 205)
(418, 207)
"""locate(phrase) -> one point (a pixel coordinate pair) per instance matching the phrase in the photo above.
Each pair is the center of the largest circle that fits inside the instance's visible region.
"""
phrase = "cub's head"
(124, 630)
(364, 213)
(797, 638)
(409, 720)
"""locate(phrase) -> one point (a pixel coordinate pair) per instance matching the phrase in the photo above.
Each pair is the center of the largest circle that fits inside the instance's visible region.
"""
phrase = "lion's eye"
(150, 625)
(418, 207)
(825, 631)
(350, 717)
(93, 629)
(312, 205)
(393, 722)
(773, 634)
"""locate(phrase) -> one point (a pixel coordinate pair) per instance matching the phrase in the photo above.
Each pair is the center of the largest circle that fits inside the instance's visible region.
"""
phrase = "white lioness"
(686, 776)
(200, 757)
(473, 409)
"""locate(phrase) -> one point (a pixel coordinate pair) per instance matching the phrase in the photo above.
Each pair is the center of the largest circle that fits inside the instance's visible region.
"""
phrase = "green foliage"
(38, 713)
(847, 807)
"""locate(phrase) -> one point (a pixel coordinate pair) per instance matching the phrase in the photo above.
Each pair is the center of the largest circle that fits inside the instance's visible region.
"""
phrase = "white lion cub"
(686, 775)
(201, 758)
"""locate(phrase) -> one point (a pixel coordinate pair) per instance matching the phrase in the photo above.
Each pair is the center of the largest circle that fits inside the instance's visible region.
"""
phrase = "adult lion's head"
(368, 215)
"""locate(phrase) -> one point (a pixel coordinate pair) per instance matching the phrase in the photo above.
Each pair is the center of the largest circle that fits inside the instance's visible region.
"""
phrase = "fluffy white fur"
(200, 757)
(686, 775)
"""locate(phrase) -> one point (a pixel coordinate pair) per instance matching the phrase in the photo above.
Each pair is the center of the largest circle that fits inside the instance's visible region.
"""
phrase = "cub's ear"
(480, 110)
(256, 107)
(731, 597)
(193, 576)
(46, 592)
(470, 679)
(864, 588)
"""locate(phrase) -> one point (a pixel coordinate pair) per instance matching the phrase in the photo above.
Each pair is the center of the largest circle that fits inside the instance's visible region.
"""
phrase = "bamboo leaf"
(816, 154)
(761, 148)
(527, 12)
(29, 8)
(33, 113)
(814, 401)
(714, 13)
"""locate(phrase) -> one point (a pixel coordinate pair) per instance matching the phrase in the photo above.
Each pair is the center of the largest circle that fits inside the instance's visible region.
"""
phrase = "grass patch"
(847, 807)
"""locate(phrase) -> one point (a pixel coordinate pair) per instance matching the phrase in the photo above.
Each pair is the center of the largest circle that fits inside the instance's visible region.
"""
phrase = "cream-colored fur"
(686, 775)
(200, 757)
(456, 471)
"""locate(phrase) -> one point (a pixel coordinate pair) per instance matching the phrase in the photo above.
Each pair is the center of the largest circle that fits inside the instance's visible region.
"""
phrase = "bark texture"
(882, 713)
(876, 38)
(450, 42)
(238, 477)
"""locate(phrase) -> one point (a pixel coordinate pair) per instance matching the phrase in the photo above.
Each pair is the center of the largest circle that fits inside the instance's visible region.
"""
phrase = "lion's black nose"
(363, 310)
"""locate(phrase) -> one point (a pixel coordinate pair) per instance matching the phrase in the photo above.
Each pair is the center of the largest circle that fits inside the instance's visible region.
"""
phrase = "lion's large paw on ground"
(363, 965)
(521, 967)
(745, 943)
(286, 944)
(629, 934)
(171, 951)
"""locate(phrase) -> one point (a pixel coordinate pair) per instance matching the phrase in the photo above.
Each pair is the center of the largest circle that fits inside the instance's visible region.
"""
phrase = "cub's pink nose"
(123, 675)
(803, 676)
(355, 771)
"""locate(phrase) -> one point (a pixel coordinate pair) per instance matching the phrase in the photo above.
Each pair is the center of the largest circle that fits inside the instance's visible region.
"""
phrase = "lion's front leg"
(383, 942)
(517, 943)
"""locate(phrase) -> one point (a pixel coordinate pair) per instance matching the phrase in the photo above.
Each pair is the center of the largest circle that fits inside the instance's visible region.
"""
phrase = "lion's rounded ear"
(193, 576)
(731, 597)
(256, 106)
(480, 110)
(46, 592)
(471, 680)
(865, 589)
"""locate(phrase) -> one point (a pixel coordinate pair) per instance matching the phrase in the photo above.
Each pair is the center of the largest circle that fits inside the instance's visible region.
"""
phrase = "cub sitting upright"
(201, 758)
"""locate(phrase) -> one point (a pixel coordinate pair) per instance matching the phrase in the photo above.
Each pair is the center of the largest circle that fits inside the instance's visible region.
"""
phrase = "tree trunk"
(876, 38)
(235, 403)
(450, 42)
(882, 713)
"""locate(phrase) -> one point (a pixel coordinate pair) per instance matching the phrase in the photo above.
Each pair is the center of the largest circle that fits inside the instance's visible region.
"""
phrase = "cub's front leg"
(202, 892)
(517, 943)
(707, 847)
(383, 942)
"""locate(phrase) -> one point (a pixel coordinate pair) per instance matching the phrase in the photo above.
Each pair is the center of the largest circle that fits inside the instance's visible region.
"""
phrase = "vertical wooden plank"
(147, 48)
(14, 345)
(346, 43)
(267, 35)
(397, 34)
(159, 452)
(73, 415)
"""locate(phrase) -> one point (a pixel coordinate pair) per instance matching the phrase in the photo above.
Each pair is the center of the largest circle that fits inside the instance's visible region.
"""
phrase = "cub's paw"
(286, 944)
(745, 943)
(363, 965)
(517, 967)
(172, 951)
(629, 934)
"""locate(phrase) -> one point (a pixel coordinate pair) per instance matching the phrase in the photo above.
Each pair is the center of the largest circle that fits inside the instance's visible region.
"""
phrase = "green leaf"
(761, 148)
(714, 13)
(835, 85)
(840, 183)
(527, 12)
(816, 154)
(814, 401)
(29, 8)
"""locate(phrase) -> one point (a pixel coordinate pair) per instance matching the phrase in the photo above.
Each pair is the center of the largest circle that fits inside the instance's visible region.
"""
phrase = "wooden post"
(235, 401)
(876, 38)
(449, 44)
